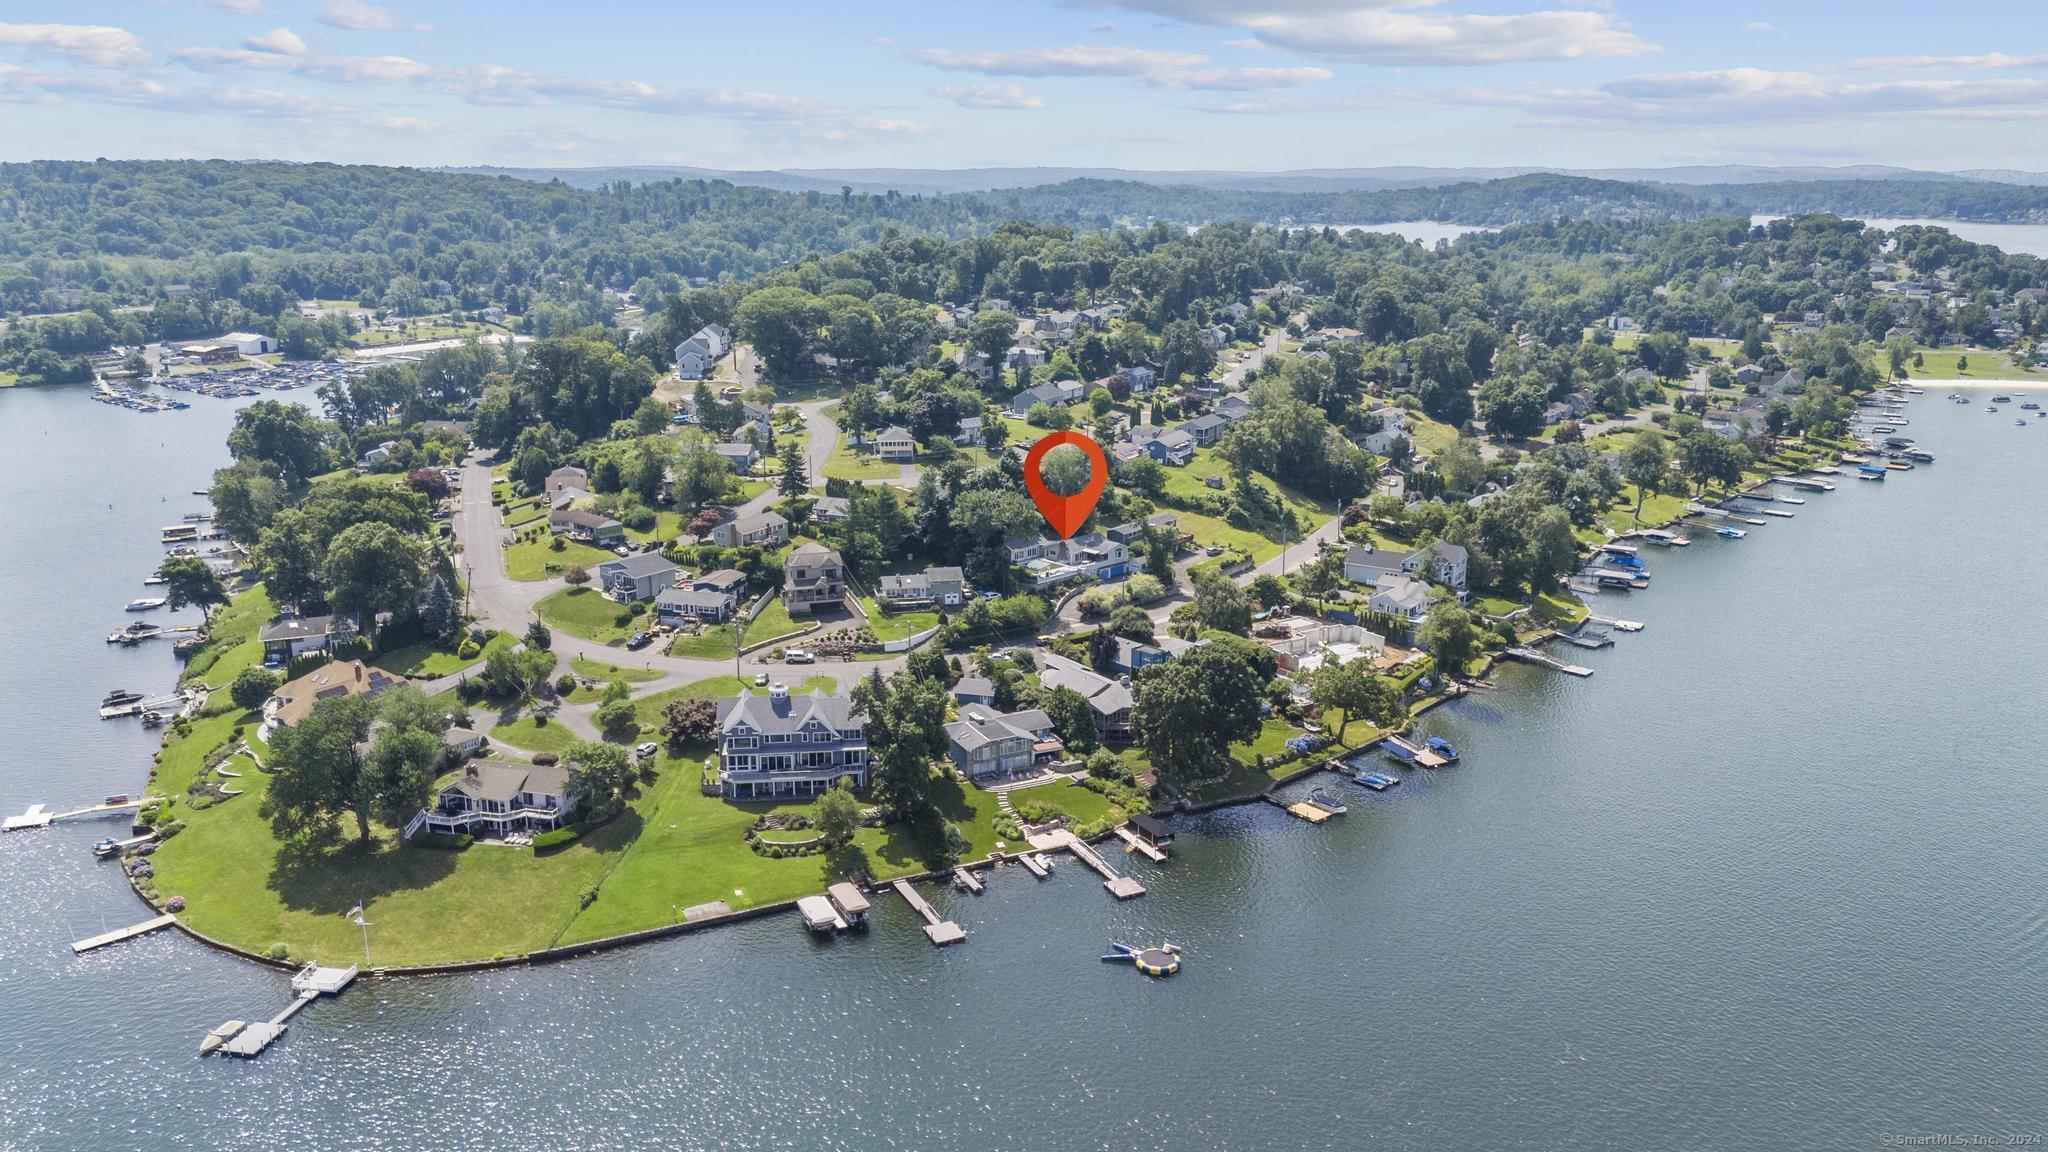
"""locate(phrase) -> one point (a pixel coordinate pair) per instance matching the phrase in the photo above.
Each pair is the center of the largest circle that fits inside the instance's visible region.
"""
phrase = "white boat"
(146, 604)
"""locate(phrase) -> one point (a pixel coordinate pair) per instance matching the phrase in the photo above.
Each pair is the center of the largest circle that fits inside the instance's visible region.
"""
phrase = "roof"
(893, 432)
(974, 686)
(944, 574)
(1385, 558)
(581, 519)
(502, 782)
(1403, 592)
(297, 698)
(847, 898)
(980, 725)
(639, 565)
(722, 578)
(1104, 695)
(1151, 828)
(812, 554)
(298, 628)
(1208, 420)
(748, 525)
(767, 714)
(693, 598)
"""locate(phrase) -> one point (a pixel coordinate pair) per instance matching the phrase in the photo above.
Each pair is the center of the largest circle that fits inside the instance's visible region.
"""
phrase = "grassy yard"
(426, 662)
(713, 643)
(234, 645)
(1662, 508)
(587, 613)
(536, 559)
(773, 622)
(605, 673)
(523, 733)
(890, 625)
(847, 464)
(1985, 364)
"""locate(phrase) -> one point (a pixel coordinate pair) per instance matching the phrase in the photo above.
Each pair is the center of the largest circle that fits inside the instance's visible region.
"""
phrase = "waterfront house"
(985, 744)
(782, 746)
(589, 527)
(1402, 597)
(1449, 568)
(943, 585)
(896, 444)
(1367, 565)
(490, 798)
(760, 530)
(1109, 701)
(285, 640)
(294, 700)
(640, 576)
(814, 576)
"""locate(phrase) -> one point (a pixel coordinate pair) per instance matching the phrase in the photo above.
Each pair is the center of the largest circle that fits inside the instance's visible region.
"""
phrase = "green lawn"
(233, 646)
(605, 673)
(847, 464)
(524, 734)
(426, 662)
(896, 625)
(1079, 805)
(713, 643)
(536, 559)
(1985, 364)
(587, 613)
(1662, 508)
(773, 622)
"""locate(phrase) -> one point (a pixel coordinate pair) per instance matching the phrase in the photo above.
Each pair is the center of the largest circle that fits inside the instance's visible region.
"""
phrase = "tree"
(1220, 604)
(1353, 689)
(837, 814)
(782, 323)
(189, 580)
(1184, 353)
(598, 773)
(1191, 709)
(928, 663)
(991, 334)
(1449, 634)
(688, 721)
(318, 774)
(576, 576)
(287, 436)
(252, 686)
(373, 567)
(906, 728)
(1646, 463)
(617, 718)
(439, 617)
(429, 482)
(1072, 717)
(515, 675)
(401, 767)
(539, 636)
(795, 481)
(1132, 623)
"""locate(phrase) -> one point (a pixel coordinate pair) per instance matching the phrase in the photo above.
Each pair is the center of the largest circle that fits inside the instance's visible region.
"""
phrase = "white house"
(777, 745)
(985, 743)
(699, 355)
(896, 444)
(1402, 597)
(491, 798)
(1393, 423)
(1449, 569)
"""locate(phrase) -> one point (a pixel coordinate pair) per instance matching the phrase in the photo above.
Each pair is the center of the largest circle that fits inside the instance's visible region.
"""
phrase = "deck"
(936, 928)
(91, 943)
(1135, 843)
(1532, 656)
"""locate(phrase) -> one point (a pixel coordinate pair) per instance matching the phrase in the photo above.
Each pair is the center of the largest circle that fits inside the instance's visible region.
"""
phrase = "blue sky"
(1230, 84)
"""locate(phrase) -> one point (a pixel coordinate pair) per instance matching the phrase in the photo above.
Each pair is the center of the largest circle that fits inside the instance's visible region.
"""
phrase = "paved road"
(821, 437)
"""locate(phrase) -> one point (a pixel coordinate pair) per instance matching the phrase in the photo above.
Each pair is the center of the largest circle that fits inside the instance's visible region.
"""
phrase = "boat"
(1665, 539)
(1327, 802)
(1443, 748)
(1899, 465)
(212, 1041)
(1870, 474)
(1730, 532)
(152, 719)
(2030, 406)
(2001, 399)
(1991, 407)
(146, 604)
(1922, 455)
(1377, 781)
(106, 848)
(1962, 399)
(2021, 422)
(1161, 961)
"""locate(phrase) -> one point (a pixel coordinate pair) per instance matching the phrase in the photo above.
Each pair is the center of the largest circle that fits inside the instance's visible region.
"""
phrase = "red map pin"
(1066, 514)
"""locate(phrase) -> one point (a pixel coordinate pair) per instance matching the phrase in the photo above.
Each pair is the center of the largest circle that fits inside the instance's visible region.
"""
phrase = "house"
(985, 743)
(761, 530)
(1110, 700)
(1048, 560)
(1173, 447)
(1142, 378)
(1367, 565)
(1128, 532)
(1748, 374)
(741, 455)
(1132, 655)
(459, 744)
(674, 605)
(1234, 407)
(969, 431)
(249, 343)
(698, 356)
(566, 477)
(1054, 394)
(1217, 336)
(813, 576)
(974, 690)
(1402, 597)
(895, 443)
(377, 455)
(591, 527)
(777, 745)
(1451, 562)
(295, 699)
(1788, 383)
(638, 577)
(1206, 429)
(1023, 356)
(830, 509)
(491, 798)
(976, 364)
(285, 640)
(932, 586)
(1639, 377)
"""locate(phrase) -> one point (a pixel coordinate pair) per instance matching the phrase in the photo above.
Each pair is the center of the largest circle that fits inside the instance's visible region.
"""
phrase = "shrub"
(589, 896)
(278, 951)
(565, 684)
(556, 838)
(467, 650)
(252, 686)
(450, 841)
(544, 759)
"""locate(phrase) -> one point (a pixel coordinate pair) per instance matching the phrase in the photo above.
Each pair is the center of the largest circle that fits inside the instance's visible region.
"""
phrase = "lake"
(1772, 877)
(2029, 238)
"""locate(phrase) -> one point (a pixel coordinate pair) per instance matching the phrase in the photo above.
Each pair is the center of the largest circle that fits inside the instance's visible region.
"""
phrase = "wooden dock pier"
(1134, 843)
(1617, 625)
(1120, 886)
(1532, 656)
(1408, 752)
(1035, 864)
(965, 878)
(1806, 482)
(1306, 811)
(310, 983)
(90, 943)
(1586, 638)
(937, 929)
(40, 816)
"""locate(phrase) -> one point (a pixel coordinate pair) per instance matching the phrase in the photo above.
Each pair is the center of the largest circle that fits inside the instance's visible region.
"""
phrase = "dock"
(1811, 485)
(936, 928)
(310, 983)
(1617, 625)
(1408, 752)
(965, 878)
(1532, 656)
(1134, 843)
(1120, 886)
(1308, 811)
(40, 816)
(1586, 638)
(91, 943)
(1035, 865)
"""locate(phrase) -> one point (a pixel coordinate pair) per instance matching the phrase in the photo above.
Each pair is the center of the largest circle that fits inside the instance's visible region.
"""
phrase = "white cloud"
(281, 41)
(1410, 31)
(1074, 60)
(357, 16)
(1760, 26)
(1988, 60)
(1734, 95)
(1241, 79)
(1011, 96)
(94, 44)
(245, 7)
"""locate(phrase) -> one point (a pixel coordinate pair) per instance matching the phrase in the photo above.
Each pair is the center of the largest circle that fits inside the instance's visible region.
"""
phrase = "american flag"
(355, 913)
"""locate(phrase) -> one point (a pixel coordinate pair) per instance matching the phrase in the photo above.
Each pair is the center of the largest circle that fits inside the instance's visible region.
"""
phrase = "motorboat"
(1327, 802)
(1730, 532)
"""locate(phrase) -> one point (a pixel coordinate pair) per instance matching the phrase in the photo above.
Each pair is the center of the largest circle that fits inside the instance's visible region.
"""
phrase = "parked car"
(622, 550)
(799, 656)
(760, 679)
(637, 641)
(646, 750)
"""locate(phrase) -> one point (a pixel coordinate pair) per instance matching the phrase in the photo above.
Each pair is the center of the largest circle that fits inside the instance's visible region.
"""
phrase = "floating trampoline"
(1161, 961)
